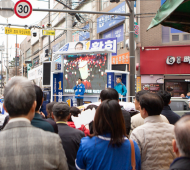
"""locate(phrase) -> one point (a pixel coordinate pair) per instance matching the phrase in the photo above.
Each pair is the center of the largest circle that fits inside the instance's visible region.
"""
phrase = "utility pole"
(16, 56)
(69, 24)
(7, 59)
(132, 48)
(1, 71)
(49, 35)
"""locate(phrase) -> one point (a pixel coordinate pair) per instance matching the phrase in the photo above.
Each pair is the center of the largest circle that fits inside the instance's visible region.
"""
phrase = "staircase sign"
(23, 9)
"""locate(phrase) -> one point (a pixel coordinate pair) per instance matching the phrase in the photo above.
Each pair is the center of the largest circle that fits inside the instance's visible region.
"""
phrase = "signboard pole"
(16, 56)
(132, 51)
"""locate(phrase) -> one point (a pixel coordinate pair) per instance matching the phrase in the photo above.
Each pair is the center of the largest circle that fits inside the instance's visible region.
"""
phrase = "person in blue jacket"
(120, 87)
(79, 92)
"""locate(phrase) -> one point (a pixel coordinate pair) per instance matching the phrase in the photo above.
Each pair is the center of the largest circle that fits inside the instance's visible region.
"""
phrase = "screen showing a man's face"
(91, 68)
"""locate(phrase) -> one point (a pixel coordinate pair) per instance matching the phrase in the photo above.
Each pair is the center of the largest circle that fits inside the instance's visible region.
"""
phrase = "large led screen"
(91, 68)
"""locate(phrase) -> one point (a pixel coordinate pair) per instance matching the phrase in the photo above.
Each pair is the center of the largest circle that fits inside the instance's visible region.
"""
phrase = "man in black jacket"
(112, 94)
(170, 115)
(181, 144)
(70, 137)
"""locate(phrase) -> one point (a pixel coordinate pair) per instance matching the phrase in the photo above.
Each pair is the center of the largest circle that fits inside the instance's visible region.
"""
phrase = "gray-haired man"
(181, 144)
(23, 146)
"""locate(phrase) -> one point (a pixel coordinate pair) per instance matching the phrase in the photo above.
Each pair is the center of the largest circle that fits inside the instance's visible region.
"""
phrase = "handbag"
(133, 163)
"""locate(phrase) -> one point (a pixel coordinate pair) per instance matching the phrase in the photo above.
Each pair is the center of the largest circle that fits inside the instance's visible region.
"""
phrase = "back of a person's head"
(91, 106)
(140, 93)
(109, 119)
(166, 96)
(152, 103)
(182, 135)
(110, 94)
(75, 111)
(39, 97)
(19, 96)
(49, 106)
(61, 110)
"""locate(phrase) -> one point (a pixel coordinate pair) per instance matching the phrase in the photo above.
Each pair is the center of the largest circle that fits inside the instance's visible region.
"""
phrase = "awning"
(173, 13)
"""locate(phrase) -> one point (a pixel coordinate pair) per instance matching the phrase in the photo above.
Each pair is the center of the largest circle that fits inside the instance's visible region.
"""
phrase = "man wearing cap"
(70, 137)
(79, 92)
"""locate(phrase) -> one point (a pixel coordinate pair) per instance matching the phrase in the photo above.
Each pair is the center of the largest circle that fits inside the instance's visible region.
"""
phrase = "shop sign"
(115, 33)
(84, 35)
(138, 84)
(136, 29)
(171, 60)
(121, 59)
(106, 21)
(58, 87)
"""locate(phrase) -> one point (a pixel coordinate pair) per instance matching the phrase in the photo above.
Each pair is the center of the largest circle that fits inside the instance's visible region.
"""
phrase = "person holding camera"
(79, 92)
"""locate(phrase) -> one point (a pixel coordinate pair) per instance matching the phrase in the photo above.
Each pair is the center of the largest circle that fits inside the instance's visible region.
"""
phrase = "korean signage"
(106, 21)
(35, 73)
(115, 33)
(17, 31)
(94, 45)
(138, 81)
(171, 60)
(58, 87)
(136, 29)
(110, 80)
(55, 66)
(84, 35)
(48, 32)
(120, 59)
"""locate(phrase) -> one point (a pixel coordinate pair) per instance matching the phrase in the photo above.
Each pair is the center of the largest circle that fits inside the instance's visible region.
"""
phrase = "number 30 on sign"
(23, 9)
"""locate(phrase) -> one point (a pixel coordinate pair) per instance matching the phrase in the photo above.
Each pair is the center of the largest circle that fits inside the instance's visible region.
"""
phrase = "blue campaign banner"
(115, 33)
(106, 21)
(110, 80)
(109, 44)
(58, 87)
(84, 35)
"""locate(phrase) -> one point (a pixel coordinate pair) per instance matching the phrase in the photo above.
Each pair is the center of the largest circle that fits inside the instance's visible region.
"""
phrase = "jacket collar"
(180, 162)
(16, 124)
(166, 108)
(153, 119)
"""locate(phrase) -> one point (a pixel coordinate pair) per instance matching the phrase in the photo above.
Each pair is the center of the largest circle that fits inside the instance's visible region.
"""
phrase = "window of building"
(175, 37)
(28, 53)
(186, 37)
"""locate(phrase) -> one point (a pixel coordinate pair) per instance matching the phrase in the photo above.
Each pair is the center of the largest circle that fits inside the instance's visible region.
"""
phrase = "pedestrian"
(70, 137)
(137, 119)
(170, 115)
(23, 146)
(108, 148)
(112, 94)
(181, 144)
(120, 88)
(154, 136)
(79, 92)
(38, 121)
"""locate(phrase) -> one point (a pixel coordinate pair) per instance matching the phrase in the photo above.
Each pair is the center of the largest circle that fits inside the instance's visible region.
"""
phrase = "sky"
(34, 18)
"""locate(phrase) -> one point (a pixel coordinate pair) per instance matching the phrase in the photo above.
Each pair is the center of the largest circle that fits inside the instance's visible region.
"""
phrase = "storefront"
(166, 68)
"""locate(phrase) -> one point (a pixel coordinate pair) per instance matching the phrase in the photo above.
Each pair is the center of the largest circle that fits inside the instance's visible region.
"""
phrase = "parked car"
(180, 105)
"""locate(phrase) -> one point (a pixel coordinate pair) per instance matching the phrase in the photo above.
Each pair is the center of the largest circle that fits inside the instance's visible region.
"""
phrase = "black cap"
(61, 106)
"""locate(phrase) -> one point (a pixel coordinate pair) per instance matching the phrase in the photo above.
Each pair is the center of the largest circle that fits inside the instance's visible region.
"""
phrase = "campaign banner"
(110, 79)
(84, 35)
(108, 44)
(121, 59)
(58, 87)
(107, 21)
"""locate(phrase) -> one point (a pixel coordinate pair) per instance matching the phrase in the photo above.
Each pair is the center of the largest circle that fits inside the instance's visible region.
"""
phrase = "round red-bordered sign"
(23, 9)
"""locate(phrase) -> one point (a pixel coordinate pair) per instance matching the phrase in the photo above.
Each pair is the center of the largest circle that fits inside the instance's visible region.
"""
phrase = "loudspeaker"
(46, 74)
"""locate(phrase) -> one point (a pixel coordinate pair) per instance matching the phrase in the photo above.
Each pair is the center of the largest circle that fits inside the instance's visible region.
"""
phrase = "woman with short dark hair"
(108, 147)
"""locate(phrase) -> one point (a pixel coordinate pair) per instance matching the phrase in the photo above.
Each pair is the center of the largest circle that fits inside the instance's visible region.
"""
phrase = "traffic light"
(46, 53)
(114, 1)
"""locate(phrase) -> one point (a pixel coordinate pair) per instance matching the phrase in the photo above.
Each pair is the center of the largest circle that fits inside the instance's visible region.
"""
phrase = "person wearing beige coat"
(154, 137)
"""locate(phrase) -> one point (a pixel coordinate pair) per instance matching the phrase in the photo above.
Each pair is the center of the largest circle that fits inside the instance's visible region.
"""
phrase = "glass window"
(179, 106)
(186, 37)
(165, 34)
(175, 37)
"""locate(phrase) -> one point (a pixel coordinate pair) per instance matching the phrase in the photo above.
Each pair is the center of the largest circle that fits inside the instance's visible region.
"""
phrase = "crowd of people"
(104, 137)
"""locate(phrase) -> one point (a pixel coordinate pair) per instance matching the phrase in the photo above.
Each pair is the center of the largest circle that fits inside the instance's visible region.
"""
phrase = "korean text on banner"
(121, 59)
(138, 84)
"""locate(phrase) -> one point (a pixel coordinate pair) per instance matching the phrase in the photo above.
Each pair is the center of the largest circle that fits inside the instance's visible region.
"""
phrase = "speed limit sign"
(23, 9)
